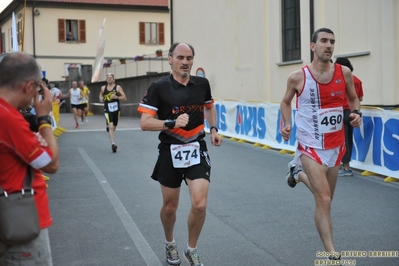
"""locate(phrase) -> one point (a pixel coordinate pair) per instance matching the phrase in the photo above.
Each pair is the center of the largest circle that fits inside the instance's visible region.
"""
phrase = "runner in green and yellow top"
(111, 94)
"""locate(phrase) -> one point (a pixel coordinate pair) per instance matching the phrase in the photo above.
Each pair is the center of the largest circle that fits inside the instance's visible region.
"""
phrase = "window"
(291, 30)
(19, 32)
(70, 30)
(151, 33)
(2, 43)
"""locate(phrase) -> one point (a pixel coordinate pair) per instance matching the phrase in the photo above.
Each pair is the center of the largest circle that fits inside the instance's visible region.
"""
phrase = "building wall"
(121, 34)
(238, 44)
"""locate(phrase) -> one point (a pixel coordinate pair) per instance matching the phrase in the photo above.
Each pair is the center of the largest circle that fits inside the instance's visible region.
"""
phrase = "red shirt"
(358, 89)
(18, 148)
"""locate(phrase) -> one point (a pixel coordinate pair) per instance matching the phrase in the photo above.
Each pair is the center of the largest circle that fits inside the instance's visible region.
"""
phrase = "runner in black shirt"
(175, 106)
(111, 94)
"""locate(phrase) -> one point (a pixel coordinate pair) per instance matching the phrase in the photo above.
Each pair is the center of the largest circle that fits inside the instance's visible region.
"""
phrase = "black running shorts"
(171, 177)
(112, 117)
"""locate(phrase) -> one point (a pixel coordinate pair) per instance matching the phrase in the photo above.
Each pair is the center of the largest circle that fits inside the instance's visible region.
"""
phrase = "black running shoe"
(293, 169)
(114, 147)
(335, 257)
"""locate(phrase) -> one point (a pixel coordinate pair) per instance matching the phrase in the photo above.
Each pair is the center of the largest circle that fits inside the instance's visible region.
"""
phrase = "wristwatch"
(357, 112)
(213, 127)
(169, 123)
(44, 119)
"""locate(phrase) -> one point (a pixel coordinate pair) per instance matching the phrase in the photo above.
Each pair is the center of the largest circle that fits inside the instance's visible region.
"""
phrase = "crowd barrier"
(376, 142)
(55, 119)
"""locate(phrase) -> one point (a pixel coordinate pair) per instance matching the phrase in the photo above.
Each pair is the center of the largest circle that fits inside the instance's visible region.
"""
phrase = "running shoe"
(344, 172)
(77, 125)
(192, 257)
(335, 257)
(172, 256)
(293, 169)
(114, 147)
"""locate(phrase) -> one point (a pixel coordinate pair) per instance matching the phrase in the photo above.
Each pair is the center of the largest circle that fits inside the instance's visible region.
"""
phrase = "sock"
(190, 248)
(167, 242)
(296, 175)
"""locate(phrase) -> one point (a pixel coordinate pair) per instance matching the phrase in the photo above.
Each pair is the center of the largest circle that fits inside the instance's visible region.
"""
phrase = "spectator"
(20, 83)
(346, 170)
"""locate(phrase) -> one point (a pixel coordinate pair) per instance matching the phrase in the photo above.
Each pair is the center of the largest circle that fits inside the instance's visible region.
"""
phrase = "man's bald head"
(18, 67)
(173, 47)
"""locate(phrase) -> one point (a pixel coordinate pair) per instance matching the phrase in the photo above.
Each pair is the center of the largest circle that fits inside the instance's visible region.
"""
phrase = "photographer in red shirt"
(20, 84)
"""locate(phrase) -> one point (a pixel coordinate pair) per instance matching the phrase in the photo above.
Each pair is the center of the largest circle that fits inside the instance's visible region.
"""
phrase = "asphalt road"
(105, 207)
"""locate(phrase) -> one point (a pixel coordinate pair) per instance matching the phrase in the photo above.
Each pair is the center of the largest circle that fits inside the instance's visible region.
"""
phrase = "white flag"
(14, 34)
(98, 62)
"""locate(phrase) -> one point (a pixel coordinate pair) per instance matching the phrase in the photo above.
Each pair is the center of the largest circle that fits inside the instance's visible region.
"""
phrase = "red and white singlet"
(319, 115)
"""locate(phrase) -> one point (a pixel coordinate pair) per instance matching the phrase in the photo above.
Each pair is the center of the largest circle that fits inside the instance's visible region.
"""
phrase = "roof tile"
(163, 3)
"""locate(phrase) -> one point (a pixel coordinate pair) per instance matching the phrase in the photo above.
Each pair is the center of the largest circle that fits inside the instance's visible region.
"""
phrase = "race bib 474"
(185, 155)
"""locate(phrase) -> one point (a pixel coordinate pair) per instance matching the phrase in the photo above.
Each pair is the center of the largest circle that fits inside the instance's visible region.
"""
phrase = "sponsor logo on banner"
(221, 122)
(379, 139)
(250, 121)
(280, 125)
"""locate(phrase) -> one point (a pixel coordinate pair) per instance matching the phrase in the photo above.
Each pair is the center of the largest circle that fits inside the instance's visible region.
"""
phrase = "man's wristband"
(213, 127)
(43, 126)
(169, 123)
(45, 119)
(357, 112)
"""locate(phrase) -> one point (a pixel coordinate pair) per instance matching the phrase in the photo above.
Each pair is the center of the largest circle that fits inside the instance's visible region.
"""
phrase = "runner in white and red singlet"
(322, 89)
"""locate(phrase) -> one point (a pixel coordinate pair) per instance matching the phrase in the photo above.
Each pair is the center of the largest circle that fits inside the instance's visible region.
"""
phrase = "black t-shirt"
(167, 99)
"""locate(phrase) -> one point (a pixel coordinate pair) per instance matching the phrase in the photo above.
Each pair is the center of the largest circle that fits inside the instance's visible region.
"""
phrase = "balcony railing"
(136, 66)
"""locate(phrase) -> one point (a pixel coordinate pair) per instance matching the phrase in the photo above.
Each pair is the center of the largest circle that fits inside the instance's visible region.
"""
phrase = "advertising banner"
(376, 142)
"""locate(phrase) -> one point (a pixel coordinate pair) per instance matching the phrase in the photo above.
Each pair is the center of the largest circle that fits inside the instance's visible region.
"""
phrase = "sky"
(4, 4)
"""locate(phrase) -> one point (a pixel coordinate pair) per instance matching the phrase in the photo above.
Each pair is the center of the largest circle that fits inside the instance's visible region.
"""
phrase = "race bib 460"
(330, 119)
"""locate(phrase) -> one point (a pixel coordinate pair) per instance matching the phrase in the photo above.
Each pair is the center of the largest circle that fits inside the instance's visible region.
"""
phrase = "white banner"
(376, 142)
(15, 47)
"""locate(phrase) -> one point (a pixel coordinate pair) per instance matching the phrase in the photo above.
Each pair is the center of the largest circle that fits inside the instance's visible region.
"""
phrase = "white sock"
(296, 175)
(190, 248)
(167, 242)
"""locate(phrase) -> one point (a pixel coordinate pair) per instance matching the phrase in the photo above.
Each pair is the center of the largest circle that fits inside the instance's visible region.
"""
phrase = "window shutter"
(61, 30)
(142, 32)
(82, 31)
(161, 30)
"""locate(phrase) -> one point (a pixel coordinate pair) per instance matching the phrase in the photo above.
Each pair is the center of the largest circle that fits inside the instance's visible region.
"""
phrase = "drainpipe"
(33, 31)
(171, 22)
(311, 20)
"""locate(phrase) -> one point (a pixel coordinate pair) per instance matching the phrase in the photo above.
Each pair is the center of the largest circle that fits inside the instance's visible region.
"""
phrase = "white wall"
(230, 45)
(238, 43)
